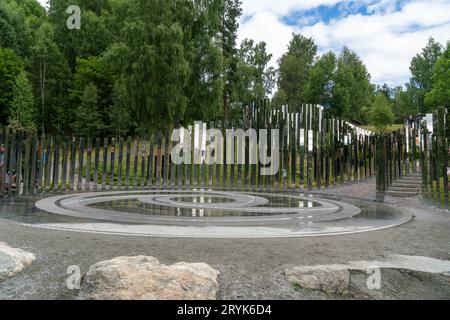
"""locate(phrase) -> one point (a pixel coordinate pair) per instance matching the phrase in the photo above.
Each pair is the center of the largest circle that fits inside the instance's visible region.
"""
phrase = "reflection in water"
(23, 210)
(136, 206)
(202, 199)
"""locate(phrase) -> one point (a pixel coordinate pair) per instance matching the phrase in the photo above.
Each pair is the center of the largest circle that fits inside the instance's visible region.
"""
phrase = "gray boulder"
(329, 279)
(13, 260)
(145, 278)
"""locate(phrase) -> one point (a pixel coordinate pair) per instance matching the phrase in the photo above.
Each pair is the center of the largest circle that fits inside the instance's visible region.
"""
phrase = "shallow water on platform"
(22, 210)
(136, 206)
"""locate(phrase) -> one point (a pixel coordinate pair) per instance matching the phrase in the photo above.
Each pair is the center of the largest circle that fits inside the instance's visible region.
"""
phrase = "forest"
(137, 66)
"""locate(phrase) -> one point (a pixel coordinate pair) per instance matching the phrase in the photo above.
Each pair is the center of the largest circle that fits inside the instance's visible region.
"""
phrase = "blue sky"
(386, 34)
(339, 10)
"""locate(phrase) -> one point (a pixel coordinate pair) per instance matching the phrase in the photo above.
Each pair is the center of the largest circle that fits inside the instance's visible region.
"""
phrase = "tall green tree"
(152, 64)
(256, 78)
(231, 11)
(22, 113)
(12, 26)
(10, 66)
(381, 114)
(294, 68)
(403, 103)
(321, 81)
(422, 70)
(88, 121)
(439, 95)
(385, 89)
(352, 91)
(50, 79)
(95, 34)
(201, 20)
(92, 70)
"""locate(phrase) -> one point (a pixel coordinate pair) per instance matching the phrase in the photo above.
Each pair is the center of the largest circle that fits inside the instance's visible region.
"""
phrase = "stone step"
(403, 187)
(417, 185)
(411, 181)
(406, 185)
(402, 194)
(400, 189)
(412, 177)
(408, 180)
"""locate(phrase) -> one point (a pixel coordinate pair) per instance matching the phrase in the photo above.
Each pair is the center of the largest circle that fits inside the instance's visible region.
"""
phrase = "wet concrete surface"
(250, 268)
(103, 213)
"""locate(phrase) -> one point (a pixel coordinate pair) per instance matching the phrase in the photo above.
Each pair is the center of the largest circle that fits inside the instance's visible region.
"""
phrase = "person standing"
(2, 164)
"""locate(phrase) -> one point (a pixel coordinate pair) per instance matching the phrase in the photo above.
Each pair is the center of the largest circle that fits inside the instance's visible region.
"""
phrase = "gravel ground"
(251, 268)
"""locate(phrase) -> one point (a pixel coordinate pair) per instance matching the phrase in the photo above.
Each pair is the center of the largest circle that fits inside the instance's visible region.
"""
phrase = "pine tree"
(23, 111)
(10, 66)
(88, 119)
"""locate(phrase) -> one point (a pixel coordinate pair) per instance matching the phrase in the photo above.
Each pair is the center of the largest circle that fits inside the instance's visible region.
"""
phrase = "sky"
(386, 34)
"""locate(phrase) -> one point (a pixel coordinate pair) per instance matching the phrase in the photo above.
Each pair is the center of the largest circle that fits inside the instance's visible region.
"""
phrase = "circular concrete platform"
(214, 214)
(244, 208)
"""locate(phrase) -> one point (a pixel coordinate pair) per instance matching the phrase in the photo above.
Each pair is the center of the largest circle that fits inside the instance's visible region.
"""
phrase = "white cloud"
(386, 40)
(265, 26)
(282, 7)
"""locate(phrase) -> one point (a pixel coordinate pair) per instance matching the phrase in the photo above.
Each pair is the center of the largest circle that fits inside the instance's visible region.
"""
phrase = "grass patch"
(297, 287)
(389, 129)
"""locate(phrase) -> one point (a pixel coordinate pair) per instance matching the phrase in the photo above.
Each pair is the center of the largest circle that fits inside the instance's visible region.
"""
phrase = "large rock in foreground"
(13, 260)
(329, 279)
(335, 278)
(144, 278)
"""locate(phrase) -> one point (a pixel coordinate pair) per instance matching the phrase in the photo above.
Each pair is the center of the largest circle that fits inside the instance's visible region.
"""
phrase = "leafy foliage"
(10, 66)
(422, 69)
(138, 66)
(294, 68)
(23, 112)
(352, 90)
(381, 114)
(439, 95)
(256, 77)
(88, 119)
(322, 79)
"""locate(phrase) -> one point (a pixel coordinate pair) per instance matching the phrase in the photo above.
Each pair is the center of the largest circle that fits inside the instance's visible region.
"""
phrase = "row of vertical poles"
(423, 144)
(434, 158)
(315, 151)
(398, 155)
